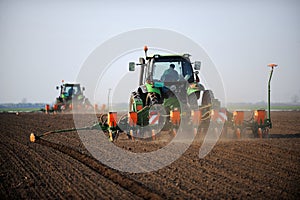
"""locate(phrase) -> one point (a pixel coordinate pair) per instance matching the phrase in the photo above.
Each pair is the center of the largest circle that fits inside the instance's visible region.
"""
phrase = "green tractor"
(168, 82)
(71, 97)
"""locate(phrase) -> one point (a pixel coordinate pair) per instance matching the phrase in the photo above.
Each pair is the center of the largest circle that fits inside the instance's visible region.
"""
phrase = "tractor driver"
(170, 75)
(71, 92)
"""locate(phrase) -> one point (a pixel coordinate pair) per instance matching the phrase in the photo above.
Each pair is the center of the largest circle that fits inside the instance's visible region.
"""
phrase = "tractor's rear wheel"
(207, 97)
(206, 103)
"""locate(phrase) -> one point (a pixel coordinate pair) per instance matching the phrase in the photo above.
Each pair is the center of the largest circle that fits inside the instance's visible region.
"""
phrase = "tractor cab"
(158, 66)
(69, 90)
(168, 80)
(168, 68)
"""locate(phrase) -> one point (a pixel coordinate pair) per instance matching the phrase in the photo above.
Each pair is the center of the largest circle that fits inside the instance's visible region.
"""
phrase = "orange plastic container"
(259, 116)
(132, 118)
(47, 107)
(55, 107)
(238, 117)
(175, 117)
(112, 119)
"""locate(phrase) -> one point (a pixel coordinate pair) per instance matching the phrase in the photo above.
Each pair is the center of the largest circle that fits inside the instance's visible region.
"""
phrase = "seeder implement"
(260, 123)
(102, 125)
(138, 124)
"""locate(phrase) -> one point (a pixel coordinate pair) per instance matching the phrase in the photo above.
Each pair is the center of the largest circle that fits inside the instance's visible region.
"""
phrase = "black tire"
(207, 97)
(151, 99)
(134, 97)
(207, 100)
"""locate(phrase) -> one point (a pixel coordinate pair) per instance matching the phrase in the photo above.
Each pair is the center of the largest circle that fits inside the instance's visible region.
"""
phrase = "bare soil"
(59, 167)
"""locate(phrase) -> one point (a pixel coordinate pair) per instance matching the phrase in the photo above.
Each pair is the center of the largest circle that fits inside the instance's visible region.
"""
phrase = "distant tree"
(24, 100)
(295, 98)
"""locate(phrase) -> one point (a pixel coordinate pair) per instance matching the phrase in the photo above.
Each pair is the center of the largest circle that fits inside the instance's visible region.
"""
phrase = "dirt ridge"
(125, 182)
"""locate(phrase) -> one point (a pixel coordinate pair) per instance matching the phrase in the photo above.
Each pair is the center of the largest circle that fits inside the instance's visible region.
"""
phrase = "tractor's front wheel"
(135, 102)
(151, 99)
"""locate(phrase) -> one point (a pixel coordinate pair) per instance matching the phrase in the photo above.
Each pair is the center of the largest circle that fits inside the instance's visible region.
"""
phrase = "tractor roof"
(169, 57)
(71, 84)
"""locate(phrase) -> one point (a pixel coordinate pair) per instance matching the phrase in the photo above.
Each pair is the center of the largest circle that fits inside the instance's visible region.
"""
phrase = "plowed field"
(59, 167)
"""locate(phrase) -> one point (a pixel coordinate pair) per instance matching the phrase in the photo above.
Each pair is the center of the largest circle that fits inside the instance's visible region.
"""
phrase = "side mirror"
(83, 88)
(57, 87)
(197, 65)
(131, 66)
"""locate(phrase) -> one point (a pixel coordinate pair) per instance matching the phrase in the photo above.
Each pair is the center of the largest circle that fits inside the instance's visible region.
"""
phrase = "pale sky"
(44, 42)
